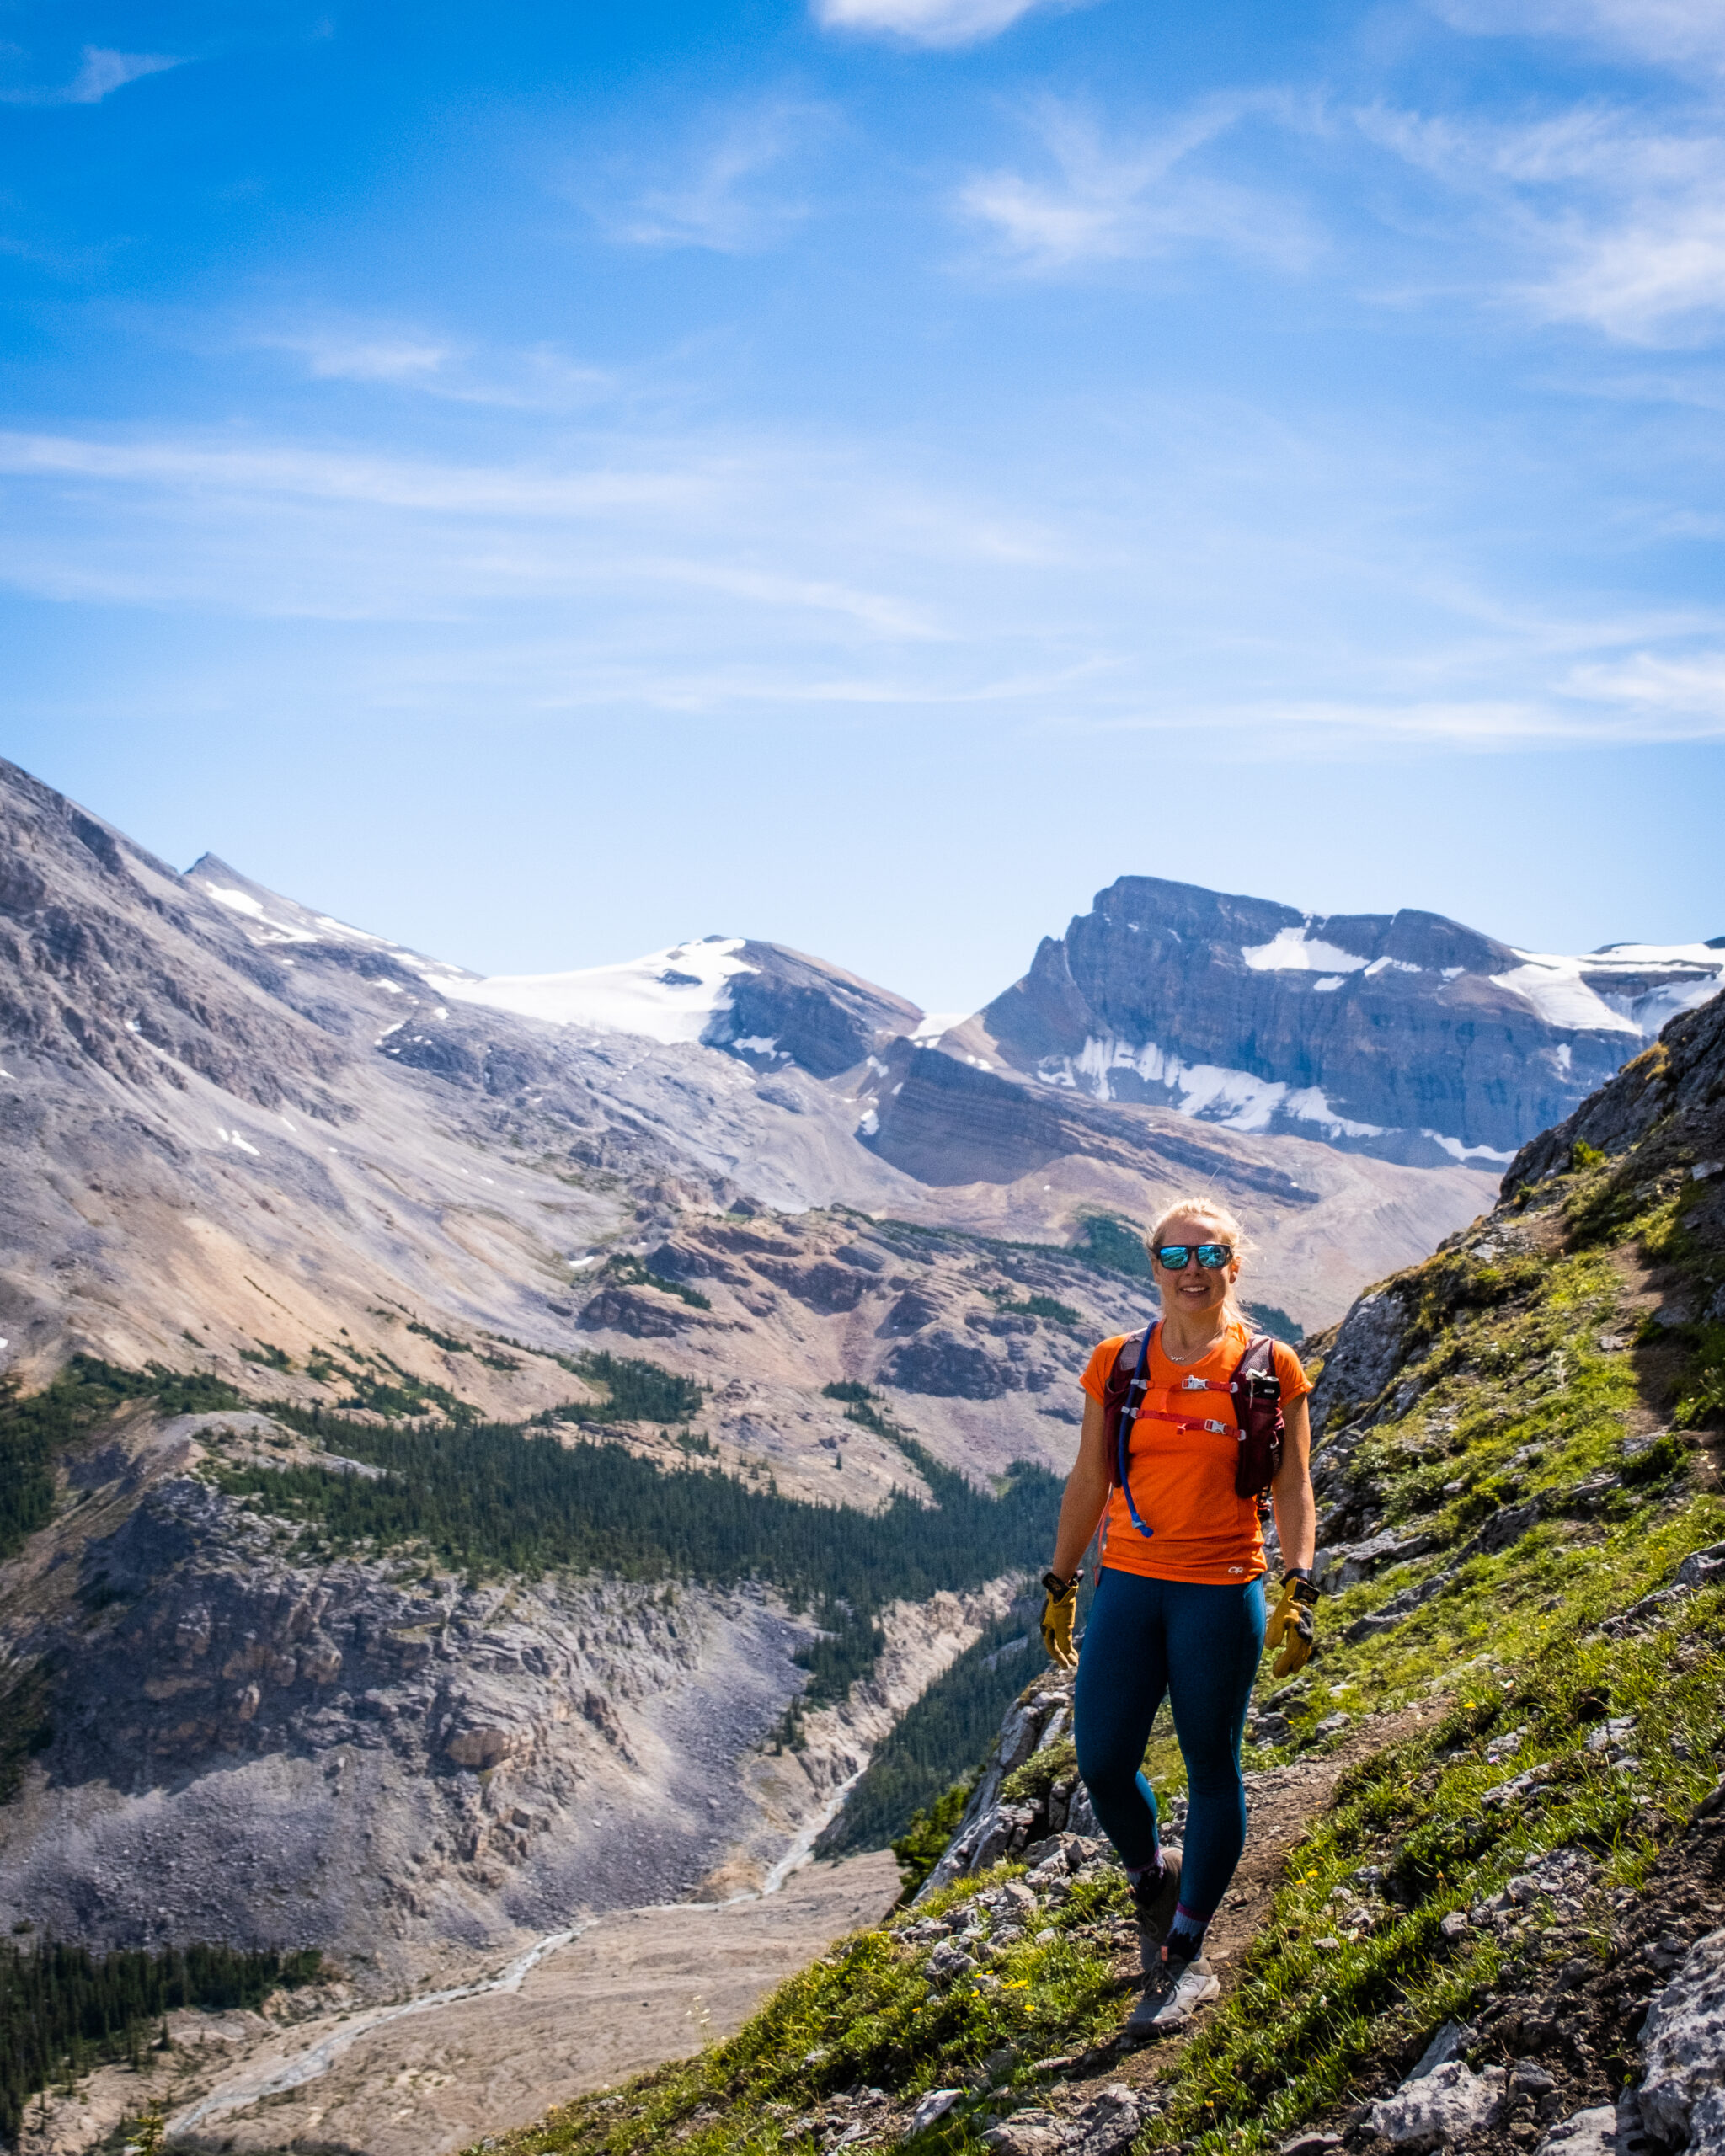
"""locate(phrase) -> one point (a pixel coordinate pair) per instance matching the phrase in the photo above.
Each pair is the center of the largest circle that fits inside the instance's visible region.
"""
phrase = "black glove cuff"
(1299, 1580)
(1058, 1588)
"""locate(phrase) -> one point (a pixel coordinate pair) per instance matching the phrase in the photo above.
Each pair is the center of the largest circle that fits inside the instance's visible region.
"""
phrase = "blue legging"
(1200, 1646)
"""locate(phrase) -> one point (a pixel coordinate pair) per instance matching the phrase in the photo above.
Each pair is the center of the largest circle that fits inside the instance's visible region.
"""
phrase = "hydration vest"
(1257, 1393)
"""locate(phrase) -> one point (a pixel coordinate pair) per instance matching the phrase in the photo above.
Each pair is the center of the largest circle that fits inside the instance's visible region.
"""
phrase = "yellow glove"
(1058, 1613)
(1291, 1625)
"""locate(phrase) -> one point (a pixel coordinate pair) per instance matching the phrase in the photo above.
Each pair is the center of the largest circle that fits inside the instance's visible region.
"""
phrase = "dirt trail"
(1283, 1805)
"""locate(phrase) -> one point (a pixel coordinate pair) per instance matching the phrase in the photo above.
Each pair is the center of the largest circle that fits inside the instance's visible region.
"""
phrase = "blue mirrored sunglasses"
(1177, 1257)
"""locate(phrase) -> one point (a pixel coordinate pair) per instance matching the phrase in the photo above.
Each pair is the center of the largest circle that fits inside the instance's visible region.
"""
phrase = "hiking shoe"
(1172, 1997)
(1154, 1901)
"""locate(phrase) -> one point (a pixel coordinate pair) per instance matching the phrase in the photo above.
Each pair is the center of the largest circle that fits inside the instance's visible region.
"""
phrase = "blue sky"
(543, 483)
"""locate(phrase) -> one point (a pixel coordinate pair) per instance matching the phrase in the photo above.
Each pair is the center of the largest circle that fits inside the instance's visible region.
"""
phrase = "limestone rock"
(1682, 2089)
(934, 2106)
(1161, 978)
(1108, 2124)
(1603, 2130)
(1367, 1350)
(1028, 2133)
(1439, 2107)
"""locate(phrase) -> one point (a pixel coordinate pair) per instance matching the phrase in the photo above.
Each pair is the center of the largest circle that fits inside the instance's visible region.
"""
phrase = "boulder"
(1108, 2124)
(948, 1963)
(1030, 2133)
(1604, 2130)
(1702, 1567)
(1436, 2108)
(1682, 2091)
(934, 2106)
(1364, 1359)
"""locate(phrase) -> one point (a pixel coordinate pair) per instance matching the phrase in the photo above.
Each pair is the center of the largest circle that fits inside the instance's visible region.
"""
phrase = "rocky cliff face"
(241, 1741)
(1405, 1035)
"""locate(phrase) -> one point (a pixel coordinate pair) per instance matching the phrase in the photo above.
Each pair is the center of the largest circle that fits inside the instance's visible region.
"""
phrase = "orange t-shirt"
(1183, 1480)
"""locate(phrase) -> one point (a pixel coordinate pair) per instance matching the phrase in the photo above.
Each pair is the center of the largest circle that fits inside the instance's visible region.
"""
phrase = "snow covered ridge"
(1625, 987)
(1630, 988)
(1209, 1092)
(668, 996)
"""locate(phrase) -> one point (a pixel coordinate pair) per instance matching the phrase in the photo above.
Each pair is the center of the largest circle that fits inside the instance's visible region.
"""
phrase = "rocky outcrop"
(1368, 1348)
(1405, 1035)
(1679, 1074)
(811, 1013)
(1057, 1828)
(1445, 2105)
(377, 1758)
(1681, 2097)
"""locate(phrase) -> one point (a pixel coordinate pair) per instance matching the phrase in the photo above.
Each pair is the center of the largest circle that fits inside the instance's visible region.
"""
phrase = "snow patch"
(867, 1123)
(1208, 1092)
(1291, 950)
(1554, 990)
(1309, 1106)
(1627, 987)
(757, 1043)
(240, 901)
(252, 908)
(1391, 965)
(1457, 1151)
(1329, 981)
(635, 997)
(934, 1024)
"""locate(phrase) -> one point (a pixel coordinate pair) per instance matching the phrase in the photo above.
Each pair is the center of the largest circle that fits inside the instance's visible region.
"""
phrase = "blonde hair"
(1218, 1216)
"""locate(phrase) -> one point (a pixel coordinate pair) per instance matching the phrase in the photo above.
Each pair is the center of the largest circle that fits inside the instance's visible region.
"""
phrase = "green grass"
(865, 2014)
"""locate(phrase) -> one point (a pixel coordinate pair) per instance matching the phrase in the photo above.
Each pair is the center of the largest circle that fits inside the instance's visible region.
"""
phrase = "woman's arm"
(1290, 1493)
(1086, 1493)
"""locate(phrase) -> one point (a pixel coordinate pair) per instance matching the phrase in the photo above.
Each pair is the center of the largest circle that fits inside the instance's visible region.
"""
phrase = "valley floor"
(632, 1989)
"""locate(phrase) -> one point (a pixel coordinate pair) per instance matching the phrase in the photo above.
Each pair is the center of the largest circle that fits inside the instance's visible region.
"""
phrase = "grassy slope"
(1514, 1400)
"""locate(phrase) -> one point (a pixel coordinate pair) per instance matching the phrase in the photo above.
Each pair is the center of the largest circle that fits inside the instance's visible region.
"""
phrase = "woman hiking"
(1179, 1605)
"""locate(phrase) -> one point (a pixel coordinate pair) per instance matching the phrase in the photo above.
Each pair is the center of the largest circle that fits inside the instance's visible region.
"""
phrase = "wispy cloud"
(1097, 200)
(729, 193)
(387, 356)
(1590, 216)
(1691, 687)
(937, 23)
(732, 573)
(102, 72)
(1668, 32)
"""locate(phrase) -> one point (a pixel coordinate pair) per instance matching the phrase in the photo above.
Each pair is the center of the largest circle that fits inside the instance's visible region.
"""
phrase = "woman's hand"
(1058, 1613)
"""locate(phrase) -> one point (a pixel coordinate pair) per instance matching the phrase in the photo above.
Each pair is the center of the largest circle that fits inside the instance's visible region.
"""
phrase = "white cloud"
(1668, 32)
(1228, 577)
(719, 200)
(332, 357)
(938, 23)
(1692, 687)
(1109, 202)
(102, 72)
(390, 357)
(1590, 216)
